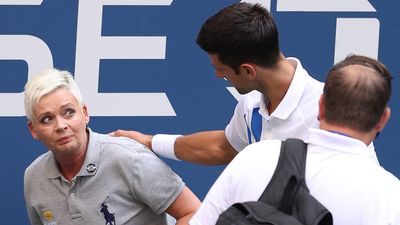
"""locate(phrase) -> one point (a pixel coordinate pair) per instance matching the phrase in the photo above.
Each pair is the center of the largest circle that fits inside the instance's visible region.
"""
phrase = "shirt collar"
(52, 167)
(338, 142)
(293, 94)
(91, 164)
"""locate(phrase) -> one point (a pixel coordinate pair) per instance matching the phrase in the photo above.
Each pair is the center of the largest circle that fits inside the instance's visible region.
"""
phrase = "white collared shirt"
(297, 112)
(341, 173)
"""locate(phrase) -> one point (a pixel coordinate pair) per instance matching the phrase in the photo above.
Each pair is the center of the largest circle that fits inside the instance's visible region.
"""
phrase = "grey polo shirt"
(120, 181)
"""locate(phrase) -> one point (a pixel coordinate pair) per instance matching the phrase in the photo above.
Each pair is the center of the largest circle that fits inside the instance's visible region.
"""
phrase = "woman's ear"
(32, 129)
(85, 114)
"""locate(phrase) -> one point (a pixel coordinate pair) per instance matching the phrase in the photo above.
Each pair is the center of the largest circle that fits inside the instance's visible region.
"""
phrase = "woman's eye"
(46, 120)
(69, 112)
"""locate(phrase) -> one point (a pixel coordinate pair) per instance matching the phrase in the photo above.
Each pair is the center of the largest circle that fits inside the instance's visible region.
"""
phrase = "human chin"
(65, 145)
(67, 149)
(242, 91)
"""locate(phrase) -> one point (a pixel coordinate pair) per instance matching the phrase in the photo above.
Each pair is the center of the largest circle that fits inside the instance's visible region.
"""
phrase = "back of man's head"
(241, 33)
(356, 93)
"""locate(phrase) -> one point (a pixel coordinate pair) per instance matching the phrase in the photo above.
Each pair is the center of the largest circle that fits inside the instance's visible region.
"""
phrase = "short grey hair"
(45, 83)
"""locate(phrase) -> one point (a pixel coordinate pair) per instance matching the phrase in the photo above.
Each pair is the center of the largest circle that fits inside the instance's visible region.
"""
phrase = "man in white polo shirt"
(341, 172)
(280, 98)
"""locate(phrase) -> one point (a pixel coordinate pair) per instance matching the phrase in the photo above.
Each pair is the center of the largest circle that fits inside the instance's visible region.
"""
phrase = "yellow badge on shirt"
(48, 215)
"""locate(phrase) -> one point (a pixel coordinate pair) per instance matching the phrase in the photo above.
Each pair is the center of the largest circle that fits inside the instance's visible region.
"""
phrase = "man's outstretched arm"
(207, 148)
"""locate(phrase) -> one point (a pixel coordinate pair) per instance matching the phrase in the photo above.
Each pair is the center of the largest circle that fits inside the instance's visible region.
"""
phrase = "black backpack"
(286, 199)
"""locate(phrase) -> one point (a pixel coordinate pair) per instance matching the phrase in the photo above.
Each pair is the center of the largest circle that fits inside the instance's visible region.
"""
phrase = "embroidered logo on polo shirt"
(109, 217)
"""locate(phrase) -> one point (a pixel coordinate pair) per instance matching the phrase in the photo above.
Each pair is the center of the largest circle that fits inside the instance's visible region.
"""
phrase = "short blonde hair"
(45, 83)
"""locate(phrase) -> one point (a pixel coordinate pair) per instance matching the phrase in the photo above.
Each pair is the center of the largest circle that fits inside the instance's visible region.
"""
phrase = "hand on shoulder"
(135, 135)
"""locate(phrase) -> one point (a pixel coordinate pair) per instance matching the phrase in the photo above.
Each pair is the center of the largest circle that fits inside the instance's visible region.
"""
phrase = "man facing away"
(341, 171)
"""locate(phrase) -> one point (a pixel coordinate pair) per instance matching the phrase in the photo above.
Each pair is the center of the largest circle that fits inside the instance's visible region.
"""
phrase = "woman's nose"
(61, 124)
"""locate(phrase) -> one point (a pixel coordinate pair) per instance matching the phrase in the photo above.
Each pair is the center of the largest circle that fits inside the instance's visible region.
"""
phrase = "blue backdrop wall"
(139, 68)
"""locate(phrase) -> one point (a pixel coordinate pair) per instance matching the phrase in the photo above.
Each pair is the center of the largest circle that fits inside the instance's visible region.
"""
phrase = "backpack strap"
(289, 171)
(287, 190)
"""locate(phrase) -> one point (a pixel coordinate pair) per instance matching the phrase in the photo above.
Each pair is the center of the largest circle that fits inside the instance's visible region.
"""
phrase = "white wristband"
(163, 145)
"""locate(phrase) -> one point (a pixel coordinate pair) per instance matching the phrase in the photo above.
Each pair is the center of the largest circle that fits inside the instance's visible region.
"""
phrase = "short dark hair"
(357, 91)
(241, 33)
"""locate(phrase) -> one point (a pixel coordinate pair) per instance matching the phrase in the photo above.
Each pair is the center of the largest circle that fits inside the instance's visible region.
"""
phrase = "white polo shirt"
(297, 112)
(341, 173)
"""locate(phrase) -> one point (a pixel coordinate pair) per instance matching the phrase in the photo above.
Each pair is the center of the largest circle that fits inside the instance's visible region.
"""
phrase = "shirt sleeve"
(154, 183)
(236, 130)
(34, 219)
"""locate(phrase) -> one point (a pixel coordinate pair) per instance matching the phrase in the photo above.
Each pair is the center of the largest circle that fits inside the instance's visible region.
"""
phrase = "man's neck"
(276, 82)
